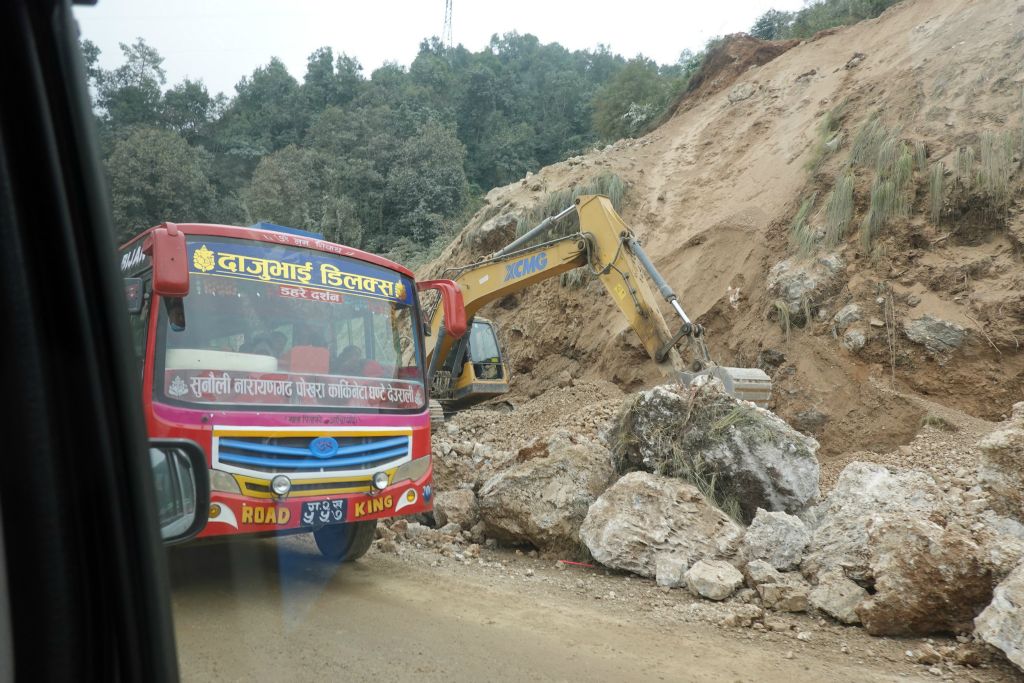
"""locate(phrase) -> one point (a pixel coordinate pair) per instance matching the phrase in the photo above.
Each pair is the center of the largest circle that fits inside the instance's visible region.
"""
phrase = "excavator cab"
(474, 370)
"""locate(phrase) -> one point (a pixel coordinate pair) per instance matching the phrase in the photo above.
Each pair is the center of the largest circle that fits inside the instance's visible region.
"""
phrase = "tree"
(330, 82)
(427, 182)
(772, 25)
(632, 98)
(130, 94)
(187, 109)
(156, 176)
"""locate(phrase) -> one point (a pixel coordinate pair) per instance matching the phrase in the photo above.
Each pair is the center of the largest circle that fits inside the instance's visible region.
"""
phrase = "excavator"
(469, 370)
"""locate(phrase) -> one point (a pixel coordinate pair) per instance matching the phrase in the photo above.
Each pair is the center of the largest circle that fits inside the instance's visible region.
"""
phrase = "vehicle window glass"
(281, 326)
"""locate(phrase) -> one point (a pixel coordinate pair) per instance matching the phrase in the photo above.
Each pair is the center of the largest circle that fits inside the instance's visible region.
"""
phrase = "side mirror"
(166, 247)
(133, 294)
(455, 324)
(182, 483)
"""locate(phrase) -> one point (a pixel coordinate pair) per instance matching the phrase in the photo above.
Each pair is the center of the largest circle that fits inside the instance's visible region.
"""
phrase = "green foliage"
(839, 211)
(801, 235)
(935, 196)
(884, 202)
(772, 25)
(130, 94)
(996, 167)
(829, 138)
(156, 176)
(868, 140)
(965, 166)
(634, 96)
(608, 184)
(920, 156)
(781, 311)
(818, 15)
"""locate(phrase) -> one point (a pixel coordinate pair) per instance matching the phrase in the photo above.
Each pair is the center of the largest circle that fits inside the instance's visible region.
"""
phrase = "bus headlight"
(380, 481)
(414, 469)
(280, 485)
(224, 482)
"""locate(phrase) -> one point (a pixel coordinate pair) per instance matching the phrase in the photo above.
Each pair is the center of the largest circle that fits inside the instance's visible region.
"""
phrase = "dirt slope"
(713, 191)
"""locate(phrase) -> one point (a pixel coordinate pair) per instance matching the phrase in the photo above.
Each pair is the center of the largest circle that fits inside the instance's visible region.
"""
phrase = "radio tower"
(446, 34)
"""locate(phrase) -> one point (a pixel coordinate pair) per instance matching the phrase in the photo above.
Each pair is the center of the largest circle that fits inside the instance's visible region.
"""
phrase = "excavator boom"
(606, 246)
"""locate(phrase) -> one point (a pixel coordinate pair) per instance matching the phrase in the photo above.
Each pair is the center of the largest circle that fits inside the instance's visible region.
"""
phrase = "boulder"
(810, 421)
(542, 501)
(713, 579)
(1001, 624)
(457, 506)
(776, 537)
(854, 339)
(1002, 466)
(643, 516)
(866, 492)
(670, 570)
(801, 284)
(927, 579)
(743, 91)
(846, 316)
(493, 233)
(935, 334)
(1001, 540)
(838, 597)
(703, 435)
(787, 595)
(757, 572)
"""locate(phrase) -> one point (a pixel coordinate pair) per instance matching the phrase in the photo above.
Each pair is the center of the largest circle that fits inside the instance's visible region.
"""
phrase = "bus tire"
(436, 415)
(345, 542)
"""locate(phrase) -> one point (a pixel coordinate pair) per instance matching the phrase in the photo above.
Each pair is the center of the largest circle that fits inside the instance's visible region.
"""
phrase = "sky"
(219, 41)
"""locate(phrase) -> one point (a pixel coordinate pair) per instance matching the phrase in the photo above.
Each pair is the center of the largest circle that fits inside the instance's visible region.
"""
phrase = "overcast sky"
(220, 41)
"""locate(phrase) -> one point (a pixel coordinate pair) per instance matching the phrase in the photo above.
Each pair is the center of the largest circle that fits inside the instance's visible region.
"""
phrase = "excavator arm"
(604, 245)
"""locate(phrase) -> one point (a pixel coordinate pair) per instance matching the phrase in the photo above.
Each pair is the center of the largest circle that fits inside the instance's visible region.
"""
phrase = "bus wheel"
(345, 542)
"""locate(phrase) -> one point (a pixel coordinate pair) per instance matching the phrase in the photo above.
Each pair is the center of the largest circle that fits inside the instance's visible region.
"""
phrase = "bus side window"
(139, 324)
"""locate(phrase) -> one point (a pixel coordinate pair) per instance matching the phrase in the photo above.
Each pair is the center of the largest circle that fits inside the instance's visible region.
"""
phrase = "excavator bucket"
(746, 384)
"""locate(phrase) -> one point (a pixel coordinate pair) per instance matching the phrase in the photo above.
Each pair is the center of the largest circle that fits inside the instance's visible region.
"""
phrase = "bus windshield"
(275, 325)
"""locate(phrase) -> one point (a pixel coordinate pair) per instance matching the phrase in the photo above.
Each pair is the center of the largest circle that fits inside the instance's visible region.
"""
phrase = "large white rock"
(864, 493)
(927, 578)
(1001, 624)
(542, 501)
(754, 457)
(1002, 466)
(457, 506)
(643, 516)
(838, 597)
(713, 579)
(776, 537)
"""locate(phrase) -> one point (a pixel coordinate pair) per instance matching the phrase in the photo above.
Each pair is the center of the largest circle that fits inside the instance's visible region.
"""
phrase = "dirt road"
(268, 610)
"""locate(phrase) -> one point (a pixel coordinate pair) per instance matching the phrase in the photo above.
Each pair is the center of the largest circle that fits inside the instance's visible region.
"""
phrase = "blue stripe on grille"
(311, 464)
(402, 441)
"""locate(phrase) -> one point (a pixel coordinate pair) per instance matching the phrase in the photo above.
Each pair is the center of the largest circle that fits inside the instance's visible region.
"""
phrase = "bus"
(297, 365)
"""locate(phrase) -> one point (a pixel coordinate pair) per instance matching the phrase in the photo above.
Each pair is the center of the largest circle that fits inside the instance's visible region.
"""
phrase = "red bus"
(297, 365)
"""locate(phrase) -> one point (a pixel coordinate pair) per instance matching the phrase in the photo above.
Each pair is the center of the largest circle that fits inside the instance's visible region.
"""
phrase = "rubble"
(935, 334)
(802, 284)
(837, 596)
(752, 455)
(713, 579)
(643, 516)
(1002, 466)
(542, 501)
(457, 506)
(927, 579)
(864, 494)
(787, 595)
(1001, 624)
(776, 537)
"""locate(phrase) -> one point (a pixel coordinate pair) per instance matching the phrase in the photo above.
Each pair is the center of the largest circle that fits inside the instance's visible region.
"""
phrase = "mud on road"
(274, 610)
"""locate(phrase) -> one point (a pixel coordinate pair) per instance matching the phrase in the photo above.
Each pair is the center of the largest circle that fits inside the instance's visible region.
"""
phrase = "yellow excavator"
(469, 370)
